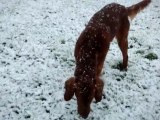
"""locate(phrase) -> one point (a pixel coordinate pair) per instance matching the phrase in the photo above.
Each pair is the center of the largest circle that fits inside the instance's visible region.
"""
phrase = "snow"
(37, 39)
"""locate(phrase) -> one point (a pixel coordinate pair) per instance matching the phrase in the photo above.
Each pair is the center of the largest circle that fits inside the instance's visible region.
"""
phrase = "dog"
(91, 49)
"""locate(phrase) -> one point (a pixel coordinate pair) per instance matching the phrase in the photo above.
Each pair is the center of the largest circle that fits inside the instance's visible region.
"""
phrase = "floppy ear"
(98, 90)
(69, 88)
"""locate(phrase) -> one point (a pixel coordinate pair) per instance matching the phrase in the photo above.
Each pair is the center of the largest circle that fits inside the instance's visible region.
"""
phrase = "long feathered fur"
(136, 8)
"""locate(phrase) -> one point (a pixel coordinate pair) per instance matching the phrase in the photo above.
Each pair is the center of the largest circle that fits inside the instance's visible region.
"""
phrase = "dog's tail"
(134, 9)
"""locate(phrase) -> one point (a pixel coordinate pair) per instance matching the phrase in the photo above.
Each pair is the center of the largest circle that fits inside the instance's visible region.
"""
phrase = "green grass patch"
(151, 56)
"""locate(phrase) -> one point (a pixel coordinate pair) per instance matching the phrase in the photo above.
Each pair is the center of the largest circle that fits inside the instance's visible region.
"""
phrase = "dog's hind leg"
(122, 38)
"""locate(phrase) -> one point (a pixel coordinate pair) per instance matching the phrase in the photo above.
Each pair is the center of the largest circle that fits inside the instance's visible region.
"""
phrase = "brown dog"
(91, 49)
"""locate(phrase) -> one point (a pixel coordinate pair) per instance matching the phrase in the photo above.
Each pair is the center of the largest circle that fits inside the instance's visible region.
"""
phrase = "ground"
(37, 39)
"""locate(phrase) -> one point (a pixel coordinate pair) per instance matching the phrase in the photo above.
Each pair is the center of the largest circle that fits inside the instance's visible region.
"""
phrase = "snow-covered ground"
(37, 39)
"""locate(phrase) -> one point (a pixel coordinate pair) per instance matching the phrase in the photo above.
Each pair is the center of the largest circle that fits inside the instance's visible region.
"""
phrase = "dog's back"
(111, 16)
(108, 19)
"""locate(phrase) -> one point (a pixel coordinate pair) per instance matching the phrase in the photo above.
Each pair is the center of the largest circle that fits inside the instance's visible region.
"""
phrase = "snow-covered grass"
(37, 39)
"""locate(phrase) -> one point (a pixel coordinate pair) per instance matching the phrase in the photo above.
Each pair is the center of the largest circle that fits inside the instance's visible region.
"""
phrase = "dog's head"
(84, 94)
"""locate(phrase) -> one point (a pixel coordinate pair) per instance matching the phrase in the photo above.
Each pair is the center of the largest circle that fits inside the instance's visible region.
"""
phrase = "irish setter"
(91, 49)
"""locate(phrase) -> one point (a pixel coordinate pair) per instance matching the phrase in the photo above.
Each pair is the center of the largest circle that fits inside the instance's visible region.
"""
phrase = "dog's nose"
(84, 112)
(84, 115)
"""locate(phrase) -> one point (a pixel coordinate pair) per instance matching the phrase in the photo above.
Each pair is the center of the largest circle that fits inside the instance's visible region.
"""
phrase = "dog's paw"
(119, 66)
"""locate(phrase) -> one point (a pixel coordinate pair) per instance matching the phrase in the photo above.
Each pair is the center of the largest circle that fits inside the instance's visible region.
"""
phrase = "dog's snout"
(84, 111)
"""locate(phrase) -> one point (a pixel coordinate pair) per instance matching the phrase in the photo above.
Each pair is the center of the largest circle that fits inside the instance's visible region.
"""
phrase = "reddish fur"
(91, 49)
(134, 9)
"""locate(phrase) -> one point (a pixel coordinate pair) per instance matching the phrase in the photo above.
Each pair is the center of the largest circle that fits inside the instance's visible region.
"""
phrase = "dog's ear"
(98, 90)
(69, 88)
